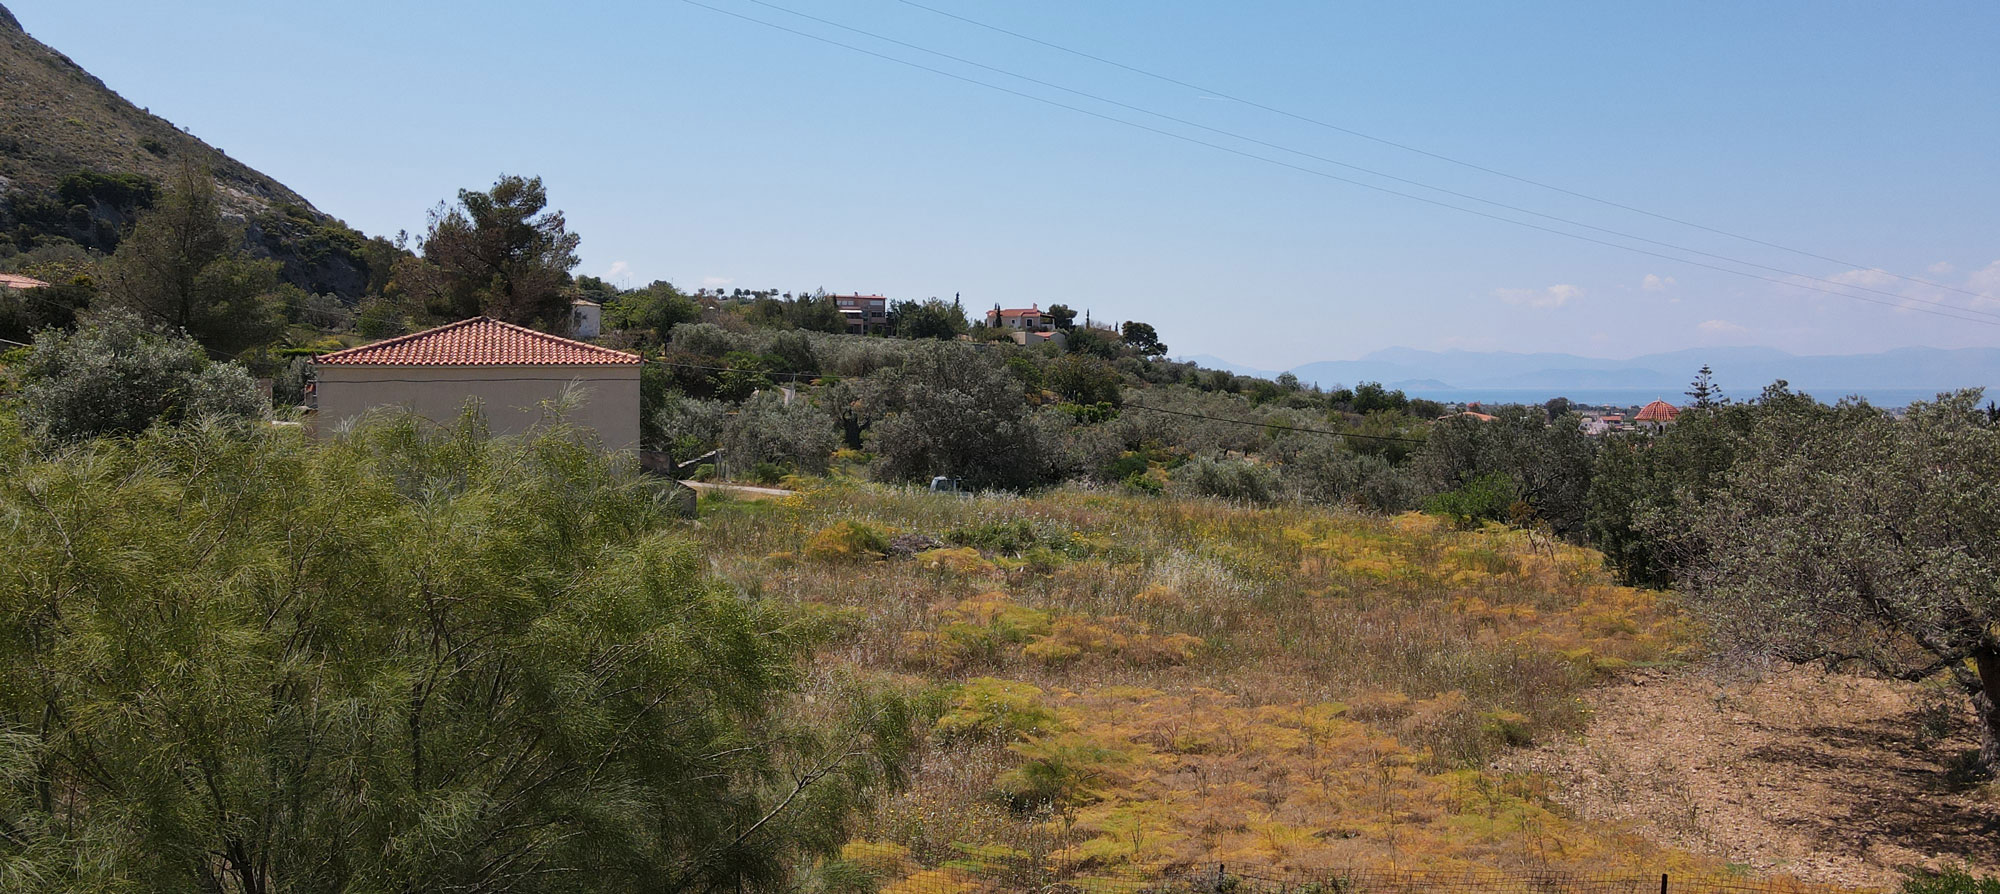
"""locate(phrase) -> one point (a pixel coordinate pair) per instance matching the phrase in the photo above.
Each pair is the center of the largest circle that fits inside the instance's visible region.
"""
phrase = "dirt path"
(741, 491)
(1829, 778)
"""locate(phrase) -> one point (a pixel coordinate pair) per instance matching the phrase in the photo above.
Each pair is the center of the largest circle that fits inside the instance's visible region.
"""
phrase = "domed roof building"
(1658, 413)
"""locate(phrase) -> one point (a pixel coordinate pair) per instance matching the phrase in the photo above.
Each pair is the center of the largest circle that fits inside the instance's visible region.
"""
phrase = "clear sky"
(688, 145)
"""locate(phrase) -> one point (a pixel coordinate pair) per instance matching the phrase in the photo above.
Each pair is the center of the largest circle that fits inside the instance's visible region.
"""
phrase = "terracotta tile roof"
(17, 281)
(1657, 411)
(480, 341)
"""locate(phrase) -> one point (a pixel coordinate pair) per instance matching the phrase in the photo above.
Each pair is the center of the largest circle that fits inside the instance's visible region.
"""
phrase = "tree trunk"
(1987, 703)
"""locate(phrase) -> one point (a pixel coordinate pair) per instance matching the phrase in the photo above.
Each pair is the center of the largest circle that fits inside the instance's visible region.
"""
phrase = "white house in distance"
(509, 369)
(586, 318)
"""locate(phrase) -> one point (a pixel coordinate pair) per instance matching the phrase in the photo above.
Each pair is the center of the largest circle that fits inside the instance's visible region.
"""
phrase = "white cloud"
(714, 282)
(1986, 281)
(1874, 278)
(1553, 296)
(1656, 283)
(1721, 327)
(1941, 268)
(617, 270)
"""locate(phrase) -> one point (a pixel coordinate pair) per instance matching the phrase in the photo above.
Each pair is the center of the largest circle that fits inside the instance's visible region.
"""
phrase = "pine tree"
(1702, 390)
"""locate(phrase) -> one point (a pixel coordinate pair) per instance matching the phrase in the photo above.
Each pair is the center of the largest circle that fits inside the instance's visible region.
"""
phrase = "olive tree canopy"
(1847, 536)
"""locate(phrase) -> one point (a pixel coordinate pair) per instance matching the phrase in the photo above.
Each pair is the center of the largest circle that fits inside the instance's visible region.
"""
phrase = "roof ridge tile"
(479, 341)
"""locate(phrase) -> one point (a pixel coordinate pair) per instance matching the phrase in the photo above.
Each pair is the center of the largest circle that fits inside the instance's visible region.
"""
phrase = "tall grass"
(1277, 684)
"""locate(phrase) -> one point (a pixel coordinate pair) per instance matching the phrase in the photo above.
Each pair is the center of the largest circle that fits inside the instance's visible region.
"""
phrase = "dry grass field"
(1125, 684)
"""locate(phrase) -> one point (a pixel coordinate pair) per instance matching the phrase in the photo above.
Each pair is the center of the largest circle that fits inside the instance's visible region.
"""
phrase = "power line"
(1383, 189)
(1427, 153)
(1370, 171)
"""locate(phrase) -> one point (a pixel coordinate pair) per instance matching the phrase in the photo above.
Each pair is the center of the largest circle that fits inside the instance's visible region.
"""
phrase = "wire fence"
(992, 875)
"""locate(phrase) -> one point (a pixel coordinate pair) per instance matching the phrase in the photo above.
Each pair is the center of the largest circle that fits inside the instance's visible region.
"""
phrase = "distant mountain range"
(1741, 372)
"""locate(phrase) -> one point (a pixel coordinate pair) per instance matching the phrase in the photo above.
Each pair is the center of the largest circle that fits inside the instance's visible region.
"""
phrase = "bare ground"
(1830, 778)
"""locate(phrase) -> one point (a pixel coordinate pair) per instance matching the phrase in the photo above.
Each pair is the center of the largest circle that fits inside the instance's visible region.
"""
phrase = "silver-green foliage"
(405, 661)
(116, 376)
(1845, 535)
(950, 410)
(768, 429)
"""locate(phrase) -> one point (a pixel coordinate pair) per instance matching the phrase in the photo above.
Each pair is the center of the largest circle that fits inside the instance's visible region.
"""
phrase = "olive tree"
(770, 429)
(117, 376)
(1547, 463)
(1853, 538)
(949, 410)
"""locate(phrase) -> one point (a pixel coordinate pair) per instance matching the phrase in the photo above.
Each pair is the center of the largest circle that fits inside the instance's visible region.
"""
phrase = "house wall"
(510, 396)
(587, 319)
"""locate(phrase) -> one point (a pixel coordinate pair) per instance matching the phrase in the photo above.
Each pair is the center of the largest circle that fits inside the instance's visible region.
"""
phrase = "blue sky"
(688, 145)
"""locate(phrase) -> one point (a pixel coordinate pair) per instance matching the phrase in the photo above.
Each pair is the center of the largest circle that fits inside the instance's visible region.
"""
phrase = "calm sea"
(1625, 397)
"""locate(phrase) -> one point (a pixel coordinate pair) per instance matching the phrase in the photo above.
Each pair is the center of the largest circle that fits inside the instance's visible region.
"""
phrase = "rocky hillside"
(77, 161)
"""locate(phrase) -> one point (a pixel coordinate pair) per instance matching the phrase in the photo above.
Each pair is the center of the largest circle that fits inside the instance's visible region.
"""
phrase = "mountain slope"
(77, 161)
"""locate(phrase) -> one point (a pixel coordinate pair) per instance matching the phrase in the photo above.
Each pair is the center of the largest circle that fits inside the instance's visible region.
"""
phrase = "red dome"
(1658, 411)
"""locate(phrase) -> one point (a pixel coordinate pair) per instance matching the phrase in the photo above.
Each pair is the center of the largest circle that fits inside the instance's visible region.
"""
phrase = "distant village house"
(510, 370)
(1020, 319)
(864, 313)
(586, 318)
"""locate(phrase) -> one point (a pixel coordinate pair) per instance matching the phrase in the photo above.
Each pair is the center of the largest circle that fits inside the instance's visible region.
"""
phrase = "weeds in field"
(1132, 682)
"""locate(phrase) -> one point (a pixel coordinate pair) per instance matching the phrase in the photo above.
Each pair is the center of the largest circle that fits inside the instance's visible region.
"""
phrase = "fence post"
(1663, 883)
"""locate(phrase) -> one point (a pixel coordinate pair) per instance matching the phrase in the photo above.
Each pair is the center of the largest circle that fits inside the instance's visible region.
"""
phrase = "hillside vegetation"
(78, 162)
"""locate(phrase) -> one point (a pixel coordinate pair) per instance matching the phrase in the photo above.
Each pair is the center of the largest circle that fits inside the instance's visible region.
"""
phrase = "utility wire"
(1427, 153)
(1382, 189)
(1384, 175)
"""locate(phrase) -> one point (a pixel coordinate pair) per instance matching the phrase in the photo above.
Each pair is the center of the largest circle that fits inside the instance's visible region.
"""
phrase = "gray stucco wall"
(510, 396)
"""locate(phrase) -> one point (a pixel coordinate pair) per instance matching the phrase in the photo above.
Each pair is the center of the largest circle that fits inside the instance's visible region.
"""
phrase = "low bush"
(847, 541)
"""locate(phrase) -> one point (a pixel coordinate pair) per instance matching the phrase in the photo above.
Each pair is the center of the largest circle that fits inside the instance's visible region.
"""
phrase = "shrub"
(1489, 497)
(1011, 538)
(1060, 770)
(847, 541)
(247, 708)
(1231, 479)
(989, 709)
(114, 376)
(1955, 880)
(767, 431)
(688, 427)
(956, 413)
(1082, 379)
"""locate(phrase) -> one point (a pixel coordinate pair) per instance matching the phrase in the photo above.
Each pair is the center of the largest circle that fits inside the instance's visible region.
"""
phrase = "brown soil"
(1829, 778)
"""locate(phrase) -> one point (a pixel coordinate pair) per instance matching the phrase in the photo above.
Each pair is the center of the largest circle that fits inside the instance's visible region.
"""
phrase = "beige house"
(510, 370)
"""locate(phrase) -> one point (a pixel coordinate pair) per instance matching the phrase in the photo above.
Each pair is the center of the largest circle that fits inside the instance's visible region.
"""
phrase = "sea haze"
(1891, 378)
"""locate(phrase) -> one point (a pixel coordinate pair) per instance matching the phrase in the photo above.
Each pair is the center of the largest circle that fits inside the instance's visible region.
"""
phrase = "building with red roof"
(509, 371)
(1657, 414)
(1021, 319)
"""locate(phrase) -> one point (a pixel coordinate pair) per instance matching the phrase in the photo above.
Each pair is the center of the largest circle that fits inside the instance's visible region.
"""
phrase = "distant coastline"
(1886, 398)
(1895, 378)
